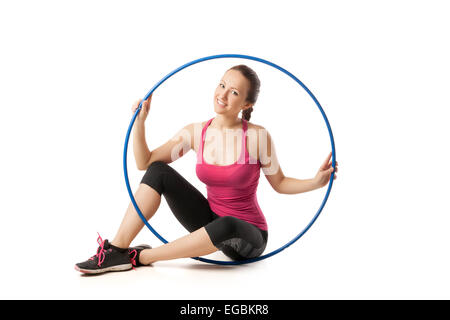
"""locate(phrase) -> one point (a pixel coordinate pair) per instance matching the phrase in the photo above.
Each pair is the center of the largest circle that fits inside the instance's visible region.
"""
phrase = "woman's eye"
(233, 91)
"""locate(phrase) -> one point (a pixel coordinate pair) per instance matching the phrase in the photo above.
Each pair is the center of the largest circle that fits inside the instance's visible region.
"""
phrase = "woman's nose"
(223, 95)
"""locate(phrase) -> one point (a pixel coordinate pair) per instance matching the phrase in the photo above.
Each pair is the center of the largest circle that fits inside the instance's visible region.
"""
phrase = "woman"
(230, 219)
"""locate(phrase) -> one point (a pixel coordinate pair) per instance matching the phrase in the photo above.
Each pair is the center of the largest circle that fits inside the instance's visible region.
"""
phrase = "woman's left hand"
(324, 174)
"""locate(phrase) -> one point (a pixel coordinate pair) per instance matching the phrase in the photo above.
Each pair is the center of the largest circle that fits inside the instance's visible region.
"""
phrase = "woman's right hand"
(144, 110)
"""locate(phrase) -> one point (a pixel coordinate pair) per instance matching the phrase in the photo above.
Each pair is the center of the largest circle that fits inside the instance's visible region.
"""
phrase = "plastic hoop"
(330, 184)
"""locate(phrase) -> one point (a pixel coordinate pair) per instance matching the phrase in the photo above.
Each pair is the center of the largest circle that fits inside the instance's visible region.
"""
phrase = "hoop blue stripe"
(219, 56)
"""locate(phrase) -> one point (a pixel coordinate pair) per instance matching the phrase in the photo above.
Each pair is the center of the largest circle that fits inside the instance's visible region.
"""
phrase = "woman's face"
(231, 92)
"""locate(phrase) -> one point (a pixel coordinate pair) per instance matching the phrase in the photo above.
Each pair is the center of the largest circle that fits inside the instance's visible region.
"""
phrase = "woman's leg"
(197, 243)
(188, 205)
(148, 201)
(237, 239)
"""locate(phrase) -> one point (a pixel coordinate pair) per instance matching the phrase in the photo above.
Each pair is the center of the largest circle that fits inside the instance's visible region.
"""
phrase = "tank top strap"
(202, 138)
(204, 128)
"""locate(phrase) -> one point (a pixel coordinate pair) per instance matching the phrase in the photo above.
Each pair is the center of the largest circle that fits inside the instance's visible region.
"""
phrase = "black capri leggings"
(237, 239)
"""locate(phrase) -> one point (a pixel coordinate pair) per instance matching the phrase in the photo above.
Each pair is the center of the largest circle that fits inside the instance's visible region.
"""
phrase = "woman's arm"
(170, 151)
(274, 175)
(141, 151)
(293, 186)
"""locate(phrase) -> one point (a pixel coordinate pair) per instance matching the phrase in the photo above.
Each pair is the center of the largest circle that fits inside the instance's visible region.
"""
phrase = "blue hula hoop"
(242, 57)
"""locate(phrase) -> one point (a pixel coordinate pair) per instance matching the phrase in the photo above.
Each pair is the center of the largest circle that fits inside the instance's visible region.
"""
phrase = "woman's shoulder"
(255, 126)
(255, 133)
(196, 125)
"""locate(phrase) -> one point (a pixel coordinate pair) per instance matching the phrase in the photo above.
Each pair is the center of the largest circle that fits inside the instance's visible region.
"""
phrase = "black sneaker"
(108, 258)
(134, 253)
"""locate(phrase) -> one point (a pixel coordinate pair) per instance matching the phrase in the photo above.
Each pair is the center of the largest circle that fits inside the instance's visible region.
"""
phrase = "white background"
(69, 72)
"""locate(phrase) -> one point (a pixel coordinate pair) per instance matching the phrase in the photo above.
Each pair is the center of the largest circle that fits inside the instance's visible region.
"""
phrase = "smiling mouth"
(220, 103)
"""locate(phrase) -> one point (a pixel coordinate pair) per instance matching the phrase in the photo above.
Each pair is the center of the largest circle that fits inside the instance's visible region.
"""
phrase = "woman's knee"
(153, 177)
(157, 165)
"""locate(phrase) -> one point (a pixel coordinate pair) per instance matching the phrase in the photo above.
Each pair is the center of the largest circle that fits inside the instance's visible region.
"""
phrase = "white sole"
(121, 267)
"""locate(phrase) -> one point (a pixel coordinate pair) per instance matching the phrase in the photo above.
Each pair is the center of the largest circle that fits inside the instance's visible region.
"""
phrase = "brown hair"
(253, 91)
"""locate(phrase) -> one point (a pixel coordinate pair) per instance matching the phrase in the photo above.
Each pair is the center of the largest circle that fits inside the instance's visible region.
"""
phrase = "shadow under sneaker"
(108, 258)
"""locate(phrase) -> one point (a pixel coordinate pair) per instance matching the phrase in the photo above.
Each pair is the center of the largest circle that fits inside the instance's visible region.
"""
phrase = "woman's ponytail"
(246, 114)
(253, 91)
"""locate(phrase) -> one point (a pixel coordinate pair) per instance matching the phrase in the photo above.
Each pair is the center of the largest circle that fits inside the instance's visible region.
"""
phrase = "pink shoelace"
(133, 258)
(100, 251)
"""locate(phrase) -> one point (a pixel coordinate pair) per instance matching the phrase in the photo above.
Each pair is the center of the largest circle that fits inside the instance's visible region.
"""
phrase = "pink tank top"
(232, 188)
